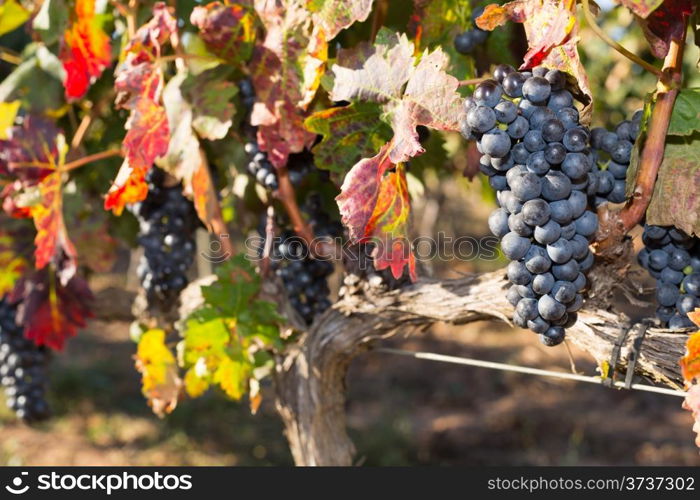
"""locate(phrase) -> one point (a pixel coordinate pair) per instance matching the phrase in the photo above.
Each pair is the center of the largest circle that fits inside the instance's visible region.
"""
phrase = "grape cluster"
(612, 152)
(673, 259)
(467, 41)
(167, 222)
(306, 278)
(259, 166)
(536, 155)
(23, 368)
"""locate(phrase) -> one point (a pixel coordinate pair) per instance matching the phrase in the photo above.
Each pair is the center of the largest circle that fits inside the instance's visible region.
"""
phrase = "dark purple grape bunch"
(167, 224)
(23, 368)
(673, 259)
(259, 166)
(612, 152)
(535, 153)
(467, 41)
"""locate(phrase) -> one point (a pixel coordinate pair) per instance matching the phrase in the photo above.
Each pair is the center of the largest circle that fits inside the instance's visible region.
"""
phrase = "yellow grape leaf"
(160, 381)
(8, 112)
(12, 16)
(195, 385)
(232, 377)
(12, 265)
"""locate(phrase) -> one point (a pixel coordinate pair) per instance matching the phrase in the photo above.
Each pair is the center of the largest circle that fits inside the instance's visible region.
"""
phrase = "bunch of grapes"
(259, 166)
(23, 368)
(305, 278)
(467, 41)
(536, 155)
(359, 268)
(167, 222)
(612, 152)
(673, 259)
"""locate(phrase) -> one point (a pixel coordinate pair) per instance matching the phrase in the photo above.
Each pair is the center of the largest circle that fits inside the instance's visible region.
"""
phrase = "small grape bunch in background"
(467, 41)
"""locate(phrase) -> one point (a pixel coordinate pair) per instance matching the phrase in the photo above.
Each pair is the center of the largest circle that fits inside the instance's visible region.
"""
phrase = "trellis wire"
(431, 356)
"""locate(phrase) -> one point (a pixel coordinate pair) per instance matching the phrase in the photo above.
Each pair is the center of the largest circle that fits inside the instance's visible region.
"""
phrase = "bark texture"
(310, 379)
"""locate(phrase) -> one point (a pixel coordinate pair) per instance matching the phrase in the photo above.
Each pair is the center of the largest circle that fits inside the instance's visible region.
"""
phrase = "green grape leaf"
(349, 134)
(223, 340)
(685, 118)
(210, 94)
(675, 201)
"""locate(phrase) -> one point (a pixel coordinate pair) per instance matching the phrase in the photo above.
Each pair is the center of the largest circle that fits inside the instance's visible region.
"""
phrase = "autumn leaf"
(349, 134)
(232, 376)
(667, 22)
(139, 85)
(552, 36)
(412, 95)
(209, 95)
(388, 226)
(286, 72)
(675, 201)
(360, 190)
(160, 381)
(28, 153)
(85, 51)
(52, 240)
(227, 30)
(333, 16)
(51, 311)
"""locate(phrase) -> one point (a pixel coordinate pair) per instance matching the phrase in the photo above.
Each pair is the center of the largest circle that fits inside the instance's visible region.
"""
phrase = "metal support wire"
(430, 356)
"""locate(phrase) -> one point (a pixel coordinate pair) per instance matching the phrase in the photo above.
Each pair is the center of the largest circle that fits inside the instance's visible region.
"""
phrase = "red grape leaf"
(128, 187)
(388, 226)
(664, 24)
(28, 152)
(349, 134)
(52, 240)
(552, 35)
(35, 155)
(642, 8)
(209, 95)
(675, 201)
(139, 84)
(160, 380)
(85, 50)
(51, 312)
(333, 16)
(286, 72)
(227, 30)
(360, 190)
(412, 95)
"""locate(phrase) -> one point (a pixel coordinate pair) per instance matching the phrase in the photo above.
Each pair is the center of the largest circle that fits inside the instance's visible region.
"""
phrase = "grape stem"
(285, 194)
(213, 218)
(619, 48)
(473, 81)
(614, 225)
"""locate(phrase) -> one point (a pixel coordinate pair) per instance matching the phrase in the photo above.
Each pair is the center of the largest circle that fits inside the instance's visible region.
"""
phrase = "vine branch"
(615, 224)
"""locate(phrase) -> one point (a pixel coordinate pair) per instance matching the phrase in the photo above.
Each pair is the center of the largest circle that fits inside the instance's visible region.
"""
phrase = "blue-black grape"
(535, 155)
